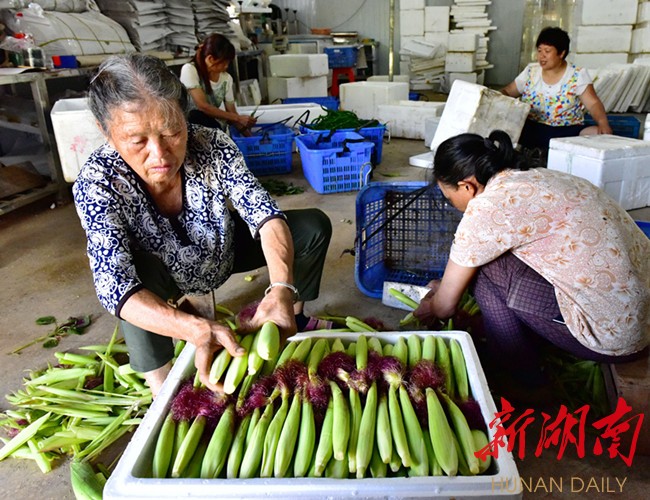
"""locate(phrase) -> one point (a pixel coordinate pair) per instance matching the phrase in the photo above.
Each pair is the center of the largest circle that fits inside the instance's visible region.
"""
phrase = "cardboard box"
(131, 478)
(620, 166)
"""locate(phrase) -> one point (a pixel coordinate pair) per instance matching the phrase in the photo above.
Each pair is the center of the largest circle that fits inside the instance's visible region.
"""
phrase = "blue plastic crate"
(269, 149)
(342, 56)
(624, 126)
(328, 102)
(645, 227)
(373, 134)
(339, 164)
(404, 234)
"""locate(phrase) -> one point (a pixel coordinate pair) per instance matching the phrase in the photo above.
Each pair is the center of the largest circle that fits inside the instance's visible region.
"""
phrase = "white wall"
(370, 19)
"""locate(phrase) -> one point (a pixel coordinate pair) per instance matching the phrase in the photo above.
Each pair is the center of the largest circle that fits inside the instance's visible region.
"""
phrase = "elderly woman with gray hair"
(154, 204)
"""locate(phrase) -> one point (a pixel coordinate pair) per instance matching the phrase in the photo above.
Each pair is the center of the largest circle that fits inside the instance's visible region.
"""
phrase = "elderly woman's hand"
(276, 306)
(219, 337)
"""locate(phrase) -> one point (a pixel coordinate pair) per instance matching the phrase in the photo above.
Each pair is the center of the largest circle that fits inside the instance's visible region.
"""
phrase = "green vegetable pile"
(340, 120)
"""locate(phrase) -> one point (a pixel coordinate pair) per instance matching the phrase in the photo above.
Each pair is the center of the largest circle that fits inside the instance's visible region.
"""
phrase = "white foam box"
(463, 42)
(640, 39)
(620, 166)
(76, 133)
(643, 15)
(406, 118)
(290, 114)
(411, 4)
(474, 108)
(471, 77)
(597, 60)
(411, 22)
(363, 97)
(589, 12)
(430, 127)
(281, 88)
(611, 38)
(299, 65)
(460, 62)
(131, 478)
(436, 19)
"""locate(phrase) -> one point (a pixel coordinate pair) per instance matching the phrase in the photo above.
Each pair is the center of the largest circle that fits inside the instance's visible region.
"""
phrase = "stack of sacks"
(145, 21)
(187, 18)
(470, 19)
(602, 32)
(73, 31)
(640, 45)
(297, 75)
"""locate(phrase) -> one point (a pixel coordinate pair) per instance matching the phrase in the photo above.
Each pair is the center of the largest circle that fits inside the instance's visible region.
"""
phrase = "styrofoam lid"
(603, 147)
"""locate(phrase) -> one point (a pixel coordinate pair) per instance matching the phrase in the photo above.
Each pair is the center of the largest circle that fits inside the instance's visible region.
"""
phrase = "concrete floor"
(44, 271)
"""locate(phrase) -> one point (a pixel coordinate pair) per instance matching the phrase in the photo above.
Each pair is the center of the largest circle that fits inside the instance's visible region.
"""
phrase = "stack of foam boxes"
(297, 75)
(602, 32)
(470, 20)
(423, 40)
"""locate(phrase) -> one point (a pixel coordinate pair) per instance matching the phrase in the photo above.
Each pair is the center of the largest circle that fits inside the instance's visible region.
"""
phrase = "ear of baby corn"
(367, 429)
(84, 481)
(272, 438)
(443, 360)
(236, 453)
(401, 351)
(429, 348)
(182, 428)
(302, 350)
(361, 354)
(351, 350)
(237, 368)
(355, 423)
(306, 440)
(384, 437)
(324, 449)
(463, 469)
(377, 467)
(268, 345)
(164, 447)
(288, 437)
(337, 345)
(188, 446)
(414, 344)
(255, 445)
(255, 362)
(52, 376)
(395, 463)
(434, 466)
(387, 350)
(403, 298)
(460, 369)
(337, 469)
(397, 427)
(219, 365)
(480, 442)
(219, 445)
(441, 434)
(340, 424)
(255, 416)
(374, 344)
(414, 436)
(318, 351)
(463, 433)
(42, 459)
(287, 353)
(356, 325)
(193, 469)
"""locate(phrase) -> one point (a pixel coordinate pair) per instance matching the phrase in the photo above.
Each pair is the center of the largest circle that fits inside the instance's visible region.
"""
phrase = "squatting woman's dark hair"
(465, 155)
(217, 46)
(555, 37)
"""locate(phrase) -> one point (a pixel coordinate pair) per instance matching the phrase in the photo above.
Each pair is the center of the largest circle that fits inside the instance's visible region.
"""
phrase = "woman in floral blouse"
(154, 202)
(548, 255)
(558, 93)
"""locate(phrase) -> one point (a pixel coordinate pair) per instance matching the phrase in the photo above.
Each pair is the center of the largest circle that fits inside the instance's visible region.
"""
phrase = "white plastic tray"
(131, 478)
